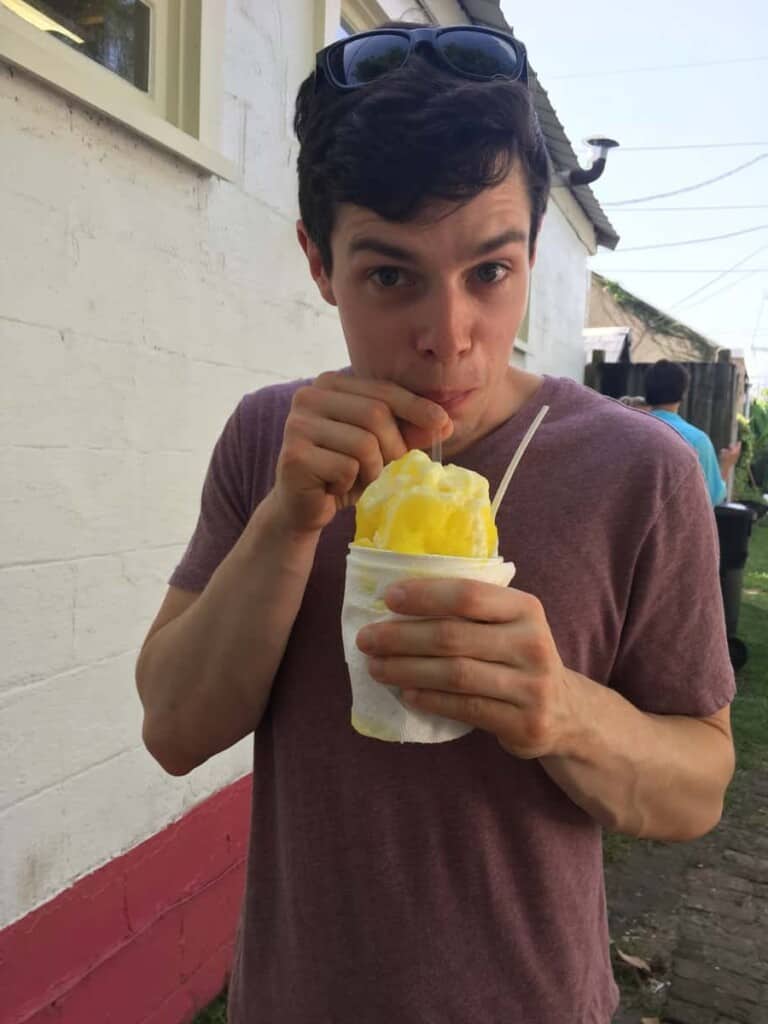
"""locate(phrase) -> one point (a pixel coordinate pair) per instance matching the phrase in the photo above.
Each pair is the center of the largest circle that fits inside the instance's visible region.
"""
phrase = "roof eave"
(561, 152)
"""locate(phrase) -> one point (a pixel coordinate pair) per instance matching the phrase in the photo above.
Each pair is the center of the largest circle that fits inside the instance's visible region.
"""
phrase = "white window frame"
(181, 110)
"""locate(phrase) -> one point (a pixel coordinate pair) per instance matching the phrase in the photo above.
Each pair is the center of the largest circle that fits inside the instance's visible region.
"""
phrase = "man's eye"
(492, 273)
(388, 277)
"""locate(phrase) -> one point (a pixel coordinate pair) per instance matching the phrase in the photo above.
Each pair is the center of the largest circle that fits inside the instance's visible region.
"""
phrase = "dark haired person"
(458, 882)
(665, 386)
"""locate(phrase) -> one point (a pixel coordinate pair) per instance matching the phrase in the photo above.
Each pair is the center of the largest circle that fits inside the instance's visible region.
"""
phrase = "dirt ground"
(648, 886)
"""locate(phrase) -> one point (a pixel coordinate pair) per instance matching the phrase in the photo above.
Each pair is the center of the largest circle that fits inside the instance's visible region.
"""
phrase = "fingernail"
(364, 638)
(395, 596)
(437, 413)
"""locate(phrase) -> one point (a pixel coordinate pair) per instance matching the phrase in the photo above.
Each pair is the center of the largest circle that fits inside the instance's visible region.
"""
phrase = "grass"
(216, 1013)
(750, 709)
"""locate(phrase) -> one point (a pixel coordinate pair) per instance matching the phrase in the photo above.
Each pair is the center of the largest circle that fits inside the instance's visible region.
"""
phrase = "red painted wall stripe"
(147, 939)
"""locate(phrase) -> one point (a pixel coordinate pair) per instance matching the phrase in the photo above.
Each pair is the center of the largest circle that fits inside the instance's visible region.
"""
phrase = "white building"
(149, 277)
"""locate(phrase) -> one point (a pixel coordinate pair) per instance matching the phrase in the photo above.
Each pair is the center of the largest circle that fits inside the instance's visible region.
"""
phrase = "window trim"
(86, 81)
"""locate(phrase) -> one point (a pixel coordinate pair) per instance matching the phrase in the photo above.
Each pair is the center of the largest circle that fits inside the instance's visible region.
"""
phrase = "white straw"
(515, 461)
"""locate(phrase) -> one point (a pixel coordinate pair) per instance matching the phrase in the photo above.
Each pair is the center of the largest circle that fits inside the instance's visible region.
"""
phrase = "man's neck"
(669, 407)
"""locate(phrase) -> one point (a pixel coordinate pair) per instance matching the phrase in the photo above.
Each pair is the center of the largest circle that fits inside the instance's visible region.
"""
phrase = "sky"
(613, 69)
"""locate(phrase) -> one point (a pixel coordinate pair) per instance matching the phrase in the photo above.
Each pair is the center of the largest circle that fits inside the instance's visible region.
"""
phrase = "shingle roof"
(488, 12)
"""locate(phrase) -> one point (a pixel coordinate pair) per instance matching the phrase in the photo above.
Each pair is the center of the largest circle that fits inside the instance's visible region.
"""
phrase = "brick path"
(720, 965)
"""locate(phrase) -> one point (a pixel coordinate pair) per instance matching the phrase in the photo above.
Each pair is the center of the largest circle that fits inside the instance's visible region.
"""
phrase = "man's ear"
(316, 268)
(534, 251)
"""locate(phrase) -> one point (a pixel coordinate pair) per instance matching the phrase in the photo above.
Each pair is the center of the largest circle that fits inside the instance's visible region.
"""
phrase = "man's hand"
(480, 654)
(728, 458)
(339, 435)
(485, 655)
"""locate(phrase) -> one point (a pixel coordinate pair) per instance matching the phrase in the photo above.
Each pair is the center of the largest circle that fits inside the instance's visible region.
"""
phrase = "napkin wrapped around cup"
(377, 711)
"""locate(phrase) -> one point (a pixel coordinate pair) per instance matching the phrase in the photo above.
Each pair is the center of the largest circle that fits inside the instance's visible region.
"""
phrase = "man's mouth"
(451, 400)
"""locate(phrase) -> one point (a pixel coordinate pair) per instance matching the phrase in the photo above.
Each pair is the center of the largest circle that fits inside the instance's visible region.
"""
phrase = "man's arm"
(727, 460)
(206, 669)
(205, 677)
(485, 655)
(716, 482)
(652, 776)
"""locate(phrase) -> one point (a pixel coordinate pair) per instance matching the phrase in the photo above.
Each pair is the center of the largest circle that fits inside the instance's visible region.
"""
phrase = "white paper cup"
(376, 709)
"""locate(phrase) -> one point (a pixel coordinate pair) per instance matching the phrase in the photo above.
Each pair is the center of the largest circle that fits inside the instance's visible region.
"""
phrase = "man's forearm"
(205, 677)
(655, 776)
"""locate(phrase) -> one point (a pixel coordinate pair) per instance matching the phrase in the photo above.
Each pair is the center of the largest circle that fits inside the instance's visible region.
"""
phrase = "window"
(139, 61)
(114, 33)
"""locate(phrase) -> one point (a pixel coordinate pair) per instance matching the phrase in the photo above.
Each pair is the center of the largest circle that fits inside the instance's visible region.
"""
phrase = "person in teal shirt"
(665, 386)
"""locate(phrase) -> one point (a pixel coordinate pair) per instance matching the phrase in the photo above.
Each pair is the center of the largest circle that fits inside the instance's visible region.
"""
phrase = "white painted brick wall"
(139, 300)
(559, 295)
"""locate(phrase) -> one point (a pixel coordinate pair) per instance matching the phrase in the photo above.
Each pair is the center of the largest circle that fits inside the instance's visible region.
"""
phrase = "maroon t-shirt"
(454, 883)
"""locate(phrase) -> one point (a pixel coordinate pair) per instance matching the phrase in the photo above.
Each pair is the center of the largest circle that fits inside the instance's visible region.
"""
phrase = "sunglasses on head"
(470, 52)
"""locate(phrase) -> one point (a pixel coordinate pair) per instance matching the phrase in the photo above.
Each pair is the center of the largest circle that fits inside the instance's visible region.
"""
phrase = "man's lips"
(447, 399)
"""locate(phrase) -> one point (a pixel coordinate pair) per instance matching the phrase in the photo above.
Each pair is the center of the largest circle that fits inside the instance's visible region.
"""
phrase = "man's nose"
(446, 332)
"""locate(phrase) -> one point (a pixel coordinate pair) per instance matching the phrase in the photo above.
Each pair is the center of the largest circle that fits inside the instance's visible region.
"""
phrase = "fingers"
(351, 410)
(306, 468)
(342, 438)
(437, 638)
(403, 404)
(466, 676)
(466, 599)
(339, 434)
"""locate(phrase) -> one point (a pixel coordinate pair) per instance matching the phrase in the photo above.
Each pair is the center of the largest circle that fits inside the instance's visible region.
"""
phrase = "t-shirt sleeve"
(673, 655)
(223, 511)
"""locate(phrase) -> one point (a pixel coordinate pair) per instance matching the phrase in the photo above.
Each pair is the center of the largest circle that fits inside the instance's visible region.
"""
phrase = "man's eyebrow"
(510, 235)
(392, 252)
(395, 252)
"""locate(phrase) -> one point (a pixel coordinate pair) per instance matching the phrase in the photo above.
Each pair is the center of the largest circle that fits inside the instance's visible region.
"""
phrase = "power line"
(659, 67)
(719, 277)
(736, 330)
(695, 241)
(695, 209)
(734, 282)
(691, 188)
(702, 145)
(677, 270)
(759, 316)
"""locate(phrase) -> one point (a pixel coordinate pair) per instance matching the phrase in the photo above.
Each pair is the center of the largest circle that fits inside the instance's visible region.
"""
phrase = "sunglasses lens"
(361, 60)
(476, 53)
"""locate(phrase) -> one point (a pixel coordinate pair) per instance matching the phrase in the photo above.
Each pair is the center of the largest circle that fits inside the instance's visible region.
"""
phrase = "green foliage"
(216, 1013)
(656, 321)
(750, 709)
(751, 473)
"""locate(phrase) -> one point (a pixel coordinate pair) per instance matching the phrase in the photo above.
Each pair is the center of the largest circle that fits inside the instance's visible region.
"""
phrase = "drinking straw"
(515, 460)
(437, 436)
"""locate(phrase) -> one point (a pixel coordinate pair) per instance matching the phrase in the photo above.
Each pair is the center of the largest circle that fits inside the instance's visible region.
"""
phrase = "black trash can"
(734, 526)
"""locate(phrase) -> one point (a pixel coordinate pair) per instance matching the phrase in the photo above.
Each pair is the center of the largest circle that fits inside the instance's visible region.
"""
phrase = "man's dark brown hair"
(416, 134)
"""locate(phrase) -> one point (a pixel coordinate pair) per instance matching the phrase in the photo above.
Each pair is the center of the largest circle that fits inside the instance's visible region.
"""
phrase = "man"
(665, 386)
(461, 881)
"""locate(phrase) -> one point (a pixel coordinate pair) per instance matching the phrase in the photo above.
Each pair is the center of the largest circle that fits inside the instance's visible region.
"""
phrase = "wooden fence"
(711, 403)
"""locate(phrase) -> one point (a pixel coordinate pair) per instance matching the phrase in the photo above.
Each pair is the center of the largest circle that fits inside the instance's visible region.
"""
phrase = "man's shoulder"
(262, 413)
(591, 444)
(613, 427)
(693, 435)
